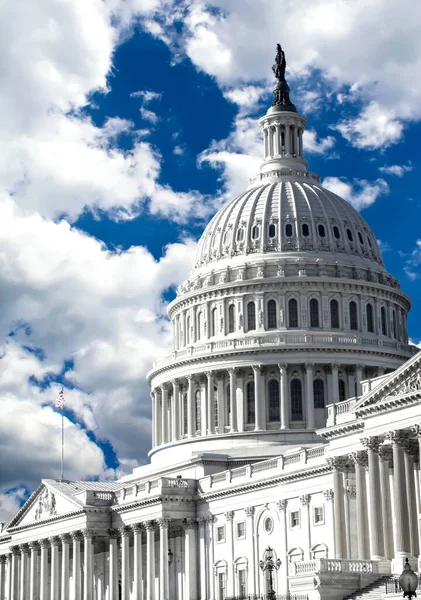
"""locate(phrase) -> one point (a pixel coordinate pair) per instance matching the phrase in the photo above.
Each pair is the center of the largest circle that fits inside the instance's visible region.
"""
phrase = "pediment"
(44, 504)
(404, 381)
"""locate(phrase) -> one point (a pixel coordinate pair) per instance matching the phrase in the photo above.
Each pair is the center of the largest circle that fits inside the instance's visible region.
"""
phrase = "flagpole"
(62, 444)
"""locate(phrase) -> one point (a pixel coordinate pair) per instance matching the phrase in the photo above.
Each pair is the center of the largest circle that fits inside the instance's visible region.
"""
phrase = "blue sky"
(124, 126)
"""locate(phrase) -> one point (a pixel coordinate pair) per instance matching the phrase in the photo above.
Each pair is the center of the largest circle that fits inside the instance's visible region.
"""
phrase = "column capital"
(190, 523)
(76, 536)
(34, 546)
(219, 375)
(305, 499)
(282, 504)
(350, 370)
(359, 458)
(371, 443)
(386, 453)
(210, 519)
(54, 540)
(137, 528)
(412, 447)
(231, 371)
(339, 463)
(240, 372)
(44, 543)
(416, 429)
(3, 559)
(229, 515)
(202, 378)
(250, 510)
(283, 367)
(351, 491)
(124, 531)
(309, 366)
(24, 548)
(88, 533)
(65, 538)
(328, 494)
(150, 525)
(163, 523)
(397, 437)
(113, 533)
(8, 558)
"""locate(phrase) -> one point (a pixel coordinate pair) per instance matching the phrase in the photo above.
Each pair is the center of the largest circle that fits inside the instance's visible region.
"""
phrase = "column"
(410, 450)
(376, 522)
(137, 562)
(233, 399)
(155, 420)
(210, 393)
(88, 560)
(350, 495)
(402, 539)
(300, 141)
(54, 567)
(43, 575)
(251, 583)
(282, 507)
(176, 415)
(240, 399)
(164, 413)
(221, 407)
(202, 558)
(277, 139)
(257, 390)
(337, 464)
(65, 566)
(270, 140)
(287, 140)
(178, 569)
(335, 383)
(309, 397)
(203, 405)
(2, 577)
(163, 559)
(125, 564)
(283, 396)
(266, 140)
(24, 564)
(360, 461)
(229, 518)
(190, 406)
(358, 378)
(385, 456)
(305, 503)
(113, 564)
(190, 559)
(8, 576)
(14, 573)
(351, 381)
(150, 560)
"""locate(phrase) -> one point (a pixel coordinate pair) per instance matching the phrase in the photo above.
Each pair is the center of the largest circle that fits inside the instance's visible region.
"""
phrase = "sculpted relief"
(46, 506)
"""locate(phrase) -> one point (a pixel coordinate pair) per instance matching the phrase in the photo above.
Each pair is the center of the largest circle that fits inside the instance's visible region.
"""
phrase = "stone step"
(374, 591)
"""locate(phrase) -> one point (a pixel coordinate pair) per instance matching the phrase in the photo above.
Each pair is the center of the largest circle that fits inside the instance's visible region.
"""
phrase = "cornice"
(390, 403)
(38, 524)
(138, 504)
(336, 431)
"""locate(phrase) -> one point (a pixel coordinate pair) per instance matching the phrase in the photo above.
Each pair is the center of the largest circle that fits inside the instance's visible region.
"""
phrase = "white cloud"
(413, 263)
(361, 193)
(375, 127)
(246, 97)
(313, 145)
(398, 170)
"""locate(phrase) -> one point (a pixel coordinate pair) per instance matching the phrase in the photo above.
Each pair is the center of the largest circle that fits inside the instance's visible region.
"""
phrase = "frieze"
(46, 506)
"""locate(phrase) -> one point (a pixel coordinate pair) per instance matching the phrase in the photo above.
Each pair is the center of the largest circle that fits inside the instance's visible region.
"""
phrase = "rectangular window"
(220, 533)
(294, 518)
(318, 515)
(241, 530)
(221, 586)
(242, 584)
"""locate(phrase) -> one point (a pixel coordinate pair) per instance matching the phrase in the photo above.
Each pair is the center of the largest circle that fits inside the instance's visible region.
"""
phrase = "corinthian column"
(360, 461)
(65, 573)
(150, 560)
(250, 510)
(137, 561)
(125, 564)
(385, 456)
(337, 464)
(88, 564)
(190, 406)
(14, 573)
(2, 577)
(283, 396)
(411, 448)
(190, 558)
(43, 575)
(257, 407)
(24, 564)
(55, 581)
(233, 399)
(163, 559)
(309, 397)
(210, 394)
(176, 415)
(33, 572)
(376, 522)
(113, 564)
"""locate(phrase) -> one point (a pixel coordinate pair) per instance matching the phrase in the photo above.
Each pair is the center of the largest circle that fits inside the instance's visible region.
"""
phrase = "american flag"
(60, 399)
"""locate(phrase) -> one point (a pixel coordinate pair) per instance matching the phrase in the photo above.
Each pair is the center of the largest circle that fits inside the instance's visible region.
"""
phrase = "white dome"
(283, 216)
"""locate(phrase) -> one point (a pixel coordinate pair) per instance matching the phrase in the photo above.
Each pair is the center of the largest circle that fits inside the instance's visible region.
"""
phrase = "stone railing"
(262, 470)
(333, 565)
(340, 412)
(284, 339)
(155, 487)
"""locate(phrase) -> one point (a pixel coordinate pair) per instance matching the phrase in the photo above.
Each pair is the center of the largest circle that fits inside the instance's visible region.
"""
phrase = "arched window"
(240, 234)
(214, 316)
(360, 237)
(296, 400)
(198, 423)
(185, 414)
(273, 400)
(231, 318)
(319, 393)
(215, 407)
(342, 392)
(370, 319)
(271, 307)
(199, 326)
(395, 329)
(255, 232)
(228, 396)
(227, 237)
(384, 321)
(336, 232)
(288, 230)
(251, 316)
(188, 330)
(353, 316)
(293, 313)
(305, 230)
(321, 229)
(334, 314)
(349, 234)
(272, 230)
(251, 415)
(314, 313)
(369, 242)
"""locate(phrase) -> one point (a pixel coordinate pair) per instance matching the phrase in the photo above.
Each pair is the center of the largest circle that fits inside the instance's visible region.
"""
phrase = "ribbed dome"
(287, 216)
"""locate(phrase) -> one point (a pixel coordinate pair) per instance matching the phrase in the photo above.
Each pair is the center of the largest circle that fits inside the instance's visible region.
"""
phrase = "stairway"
(374, 591)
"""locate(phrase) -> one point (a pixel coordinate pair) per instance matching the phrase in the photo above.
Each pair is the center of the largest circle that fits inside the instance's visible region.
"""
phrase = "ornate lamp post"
(269, 565)
(408, 581)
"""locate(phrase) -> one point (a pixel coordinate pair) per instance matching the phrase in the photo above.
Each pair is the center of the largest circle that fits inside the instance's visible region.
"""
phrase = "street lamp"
(269, 565)
(408, 581)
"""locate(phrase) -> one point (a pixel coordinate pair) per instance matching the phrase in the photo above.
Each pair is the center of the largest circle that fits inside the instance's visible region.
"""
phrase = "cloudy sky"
(124, 125)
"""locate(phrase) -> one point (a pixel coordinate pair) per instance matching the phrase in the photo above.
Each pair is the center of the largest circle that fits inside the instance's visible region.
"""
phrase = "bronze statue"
(280, 64)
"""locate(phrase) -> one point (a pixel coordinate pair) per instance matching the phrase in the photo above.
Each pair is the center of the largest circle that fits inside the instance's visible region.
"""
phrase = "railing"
(103, 495)
(392, 585)
(340, 412)
(286, 596)
(264, 465)
(332, 565)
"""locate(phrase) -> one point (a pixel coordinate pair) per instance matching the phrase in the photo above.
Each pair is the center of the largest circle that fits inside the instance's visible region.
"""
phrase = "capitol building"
(286, 419)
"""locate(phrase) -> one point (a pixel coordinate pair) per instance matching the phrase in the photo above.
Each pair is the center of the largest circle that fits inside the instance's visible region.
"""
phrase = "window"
(198, 409)
(199, 326)
(251, 316)
(369, 242)
(250, 402)
(228, 405)
(321, 229)
(294, 518)
(255, 232)
(188, 330)
(395, 330)
(220, 533)
(360, 237)
(288, 230)
(215, 407)
(383, 318)
(314, 313)
(271, 307)
(242, 583)
(305, 229)
(221, 586)
(370, 319)
(293, 313)
(273, 400)
(318, 515)
(241, 530)
(227, 237)
(319, 393)
(349, 235)
(214, 318)
(185, 414)
(334, 314)
(240, 234)
(231, 318)
(342, 392)
(336, 232)
(296, 400)
(272, 230)
(353, 317)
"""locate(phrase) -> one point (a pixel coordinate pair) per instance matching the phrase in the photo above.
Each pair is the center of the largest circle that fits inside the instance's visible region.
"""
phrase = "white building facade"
(287, 417)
